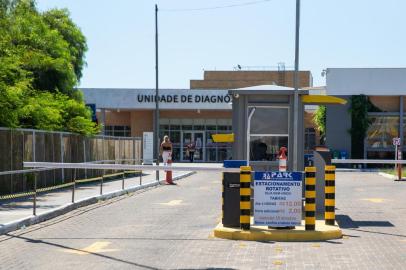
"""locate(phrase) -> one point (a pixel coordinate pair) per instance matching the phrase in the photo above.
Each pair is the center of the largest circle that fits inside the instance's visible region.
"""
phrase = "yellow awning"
(218, 138)
(322, 100)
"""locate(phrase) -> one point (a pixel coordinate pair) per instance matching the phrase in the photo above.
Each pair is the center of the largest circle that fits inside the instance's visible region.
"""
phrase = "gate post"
(245, 197)
(330, 189)
(310, 195)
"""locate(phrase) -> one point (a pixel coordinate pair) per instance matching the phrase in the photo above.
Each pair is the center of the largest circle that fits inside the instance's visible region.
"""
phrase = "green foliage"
(360, 106)
(41, 61)
(319, 118)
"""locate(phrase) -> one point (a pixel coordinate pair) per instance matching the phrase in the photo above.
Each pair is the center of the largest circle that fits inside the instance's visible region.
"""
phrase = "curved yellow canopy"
(322, 100)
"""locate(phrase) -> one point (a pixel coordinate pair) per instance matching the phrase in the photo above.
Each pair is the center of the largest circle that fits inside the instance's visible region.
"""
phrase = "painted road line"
(96, 247)
(173, 203)
(374, 200)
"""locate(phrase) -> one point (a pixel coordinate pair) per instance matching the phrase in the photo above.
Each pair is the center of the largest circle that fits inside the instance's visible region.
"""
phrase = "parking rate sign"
(278, 198)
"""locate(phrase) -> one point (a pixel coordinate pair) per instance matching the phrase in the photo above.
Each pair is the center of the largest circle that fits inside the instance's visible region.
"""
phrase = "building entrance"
(196, 138)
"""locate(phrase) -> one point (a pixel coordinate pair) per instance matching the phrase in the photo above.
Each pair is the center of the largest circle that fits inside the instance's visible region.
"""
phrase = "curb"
(31, 220)
(387, 175)
(260, 233)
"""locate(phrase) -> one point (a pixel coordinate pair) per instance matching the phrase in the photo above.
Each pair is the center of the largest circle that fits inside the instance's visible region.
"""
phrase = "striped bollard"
(310, 195)
(222, 199)
(330, 190)
(245, 197)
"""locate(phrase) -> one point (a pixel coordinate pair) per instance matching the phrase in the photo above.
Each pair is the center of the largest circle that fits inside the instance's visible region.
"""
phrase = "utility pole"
(296, 92)
(156, 118)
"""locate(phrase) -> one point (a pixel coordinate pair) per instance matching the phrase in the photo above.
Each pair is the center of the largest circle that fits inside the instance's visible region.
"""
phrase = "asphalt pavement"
(170, 227)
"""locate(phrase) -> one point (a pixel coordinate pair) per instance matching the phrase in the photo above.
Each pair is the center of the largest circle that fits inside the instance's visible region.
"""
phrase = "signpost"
(278, 199)
(398, 156)
(148, 148)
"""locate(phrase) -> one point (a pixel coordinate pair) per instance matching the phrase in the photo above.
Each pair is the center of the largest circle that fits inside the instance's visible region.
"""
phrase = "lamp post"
(156, 128)
(296, 92)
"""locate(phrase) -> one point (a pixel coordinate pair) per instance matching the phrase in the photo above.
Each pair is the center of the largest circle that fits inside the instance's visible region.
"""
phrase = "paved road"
(169, 227)
(11, 210)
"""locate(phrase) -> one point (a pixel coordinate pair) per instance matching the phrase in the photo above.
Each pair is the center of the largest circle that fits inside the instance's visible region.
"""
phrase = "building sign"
(278, 198)
(176, 99)
(147, 148)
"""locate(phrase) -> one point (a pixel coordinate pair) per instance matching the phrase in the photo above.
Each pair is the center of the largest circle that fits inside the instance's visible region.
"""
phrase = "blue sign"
(278, 198)
(279, 176)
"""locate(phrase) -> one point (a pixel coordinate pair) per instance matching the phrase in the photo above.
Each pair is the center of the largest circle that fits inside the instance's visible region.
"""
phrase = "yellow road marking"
(96, 247)
(374, 200)
(278, 249)
(173, 202)
(242, 245)
(316, 245)
(346, 237)
(277, 262)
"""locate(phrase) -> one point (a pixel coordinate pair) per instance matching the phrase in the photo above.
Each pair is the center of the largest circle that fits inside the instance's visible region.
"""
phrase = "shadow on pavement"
(346, 222)
(34, 241)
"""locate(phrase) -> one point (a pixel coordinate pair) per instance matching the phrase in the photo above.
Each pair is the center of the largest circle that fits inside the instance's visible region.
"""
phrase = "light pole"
(296, 92)
(156, 128)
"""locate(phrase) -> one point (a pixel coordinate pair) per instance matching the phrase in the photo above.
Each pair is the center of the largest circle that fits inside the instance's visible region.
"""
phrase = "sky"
(333, 33)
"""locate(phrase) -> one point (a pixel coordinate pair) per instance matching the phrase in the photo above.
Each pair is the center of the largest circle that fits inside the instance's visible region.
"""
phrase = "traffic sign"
(396, 141)
(278, 198)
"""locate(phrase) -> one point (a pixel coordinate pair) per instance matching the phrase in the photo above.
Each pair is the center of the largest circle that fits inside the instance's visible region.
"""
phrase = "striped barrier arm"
(245, 197)
(329, 202)
(310, 201)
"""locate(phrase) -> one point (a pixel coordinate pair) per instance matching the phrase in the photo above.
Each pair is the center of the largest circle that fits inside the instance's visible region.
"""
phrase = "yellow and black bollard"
(330, 189)
(310, 195)
(222, 199)
(245, 197)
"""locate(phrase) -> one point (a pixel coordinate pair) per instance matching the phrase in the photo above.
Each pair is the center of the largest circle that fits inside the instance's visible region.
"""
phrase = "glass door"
(187, 137)
(196, 138)
(199, 139)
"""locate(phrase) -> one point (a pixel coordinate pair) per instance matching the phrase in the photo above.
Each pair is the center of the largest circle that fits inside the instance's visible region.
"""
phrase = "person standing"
(191, 148)
(166, 150)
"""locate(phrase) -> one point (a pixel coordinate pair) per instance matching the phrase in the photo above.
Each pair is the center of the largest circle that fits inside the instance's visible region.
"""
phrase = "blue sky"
(334, 33)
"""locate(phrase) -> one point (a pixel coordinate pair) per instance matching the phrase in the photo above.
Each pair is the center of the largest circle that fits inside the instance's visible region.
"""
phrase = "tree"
(41, 62)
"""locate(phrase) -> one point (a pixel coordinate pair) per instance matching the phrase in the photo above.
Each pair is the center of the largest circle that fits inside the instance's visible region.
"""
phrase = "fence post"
(329, 202)
(84, 154)
(62, 154)
(74, 186)
(245, 197)
(34, 208)
(101, 183)
(122, 184)
(310, 195)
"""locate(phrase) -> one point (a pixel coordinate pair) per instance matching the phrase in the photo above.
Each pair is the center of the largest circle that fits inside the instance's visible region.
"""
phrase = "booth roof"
(267, 89)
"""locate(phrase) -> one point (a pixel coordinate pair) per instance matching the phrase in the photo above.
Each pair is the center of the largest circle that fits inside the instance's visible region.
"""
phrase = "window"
(119, 131)
(310, 138)
(381, 131)
(269, 132)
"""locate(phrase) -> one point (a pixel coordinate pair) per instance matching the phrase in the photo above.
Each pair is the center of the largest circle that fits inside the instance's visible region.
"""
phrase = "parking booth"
(269, 128)
(271, 188)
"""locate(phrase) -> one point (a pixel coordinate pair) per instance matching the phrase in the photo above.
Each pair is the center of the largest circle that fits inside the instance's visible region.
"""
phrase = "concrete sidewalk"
(17, 209)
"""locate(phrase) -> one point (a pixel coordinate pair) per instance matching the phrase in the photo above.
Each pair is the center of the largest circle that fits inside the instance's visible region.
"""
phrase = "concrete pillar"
(402, 143)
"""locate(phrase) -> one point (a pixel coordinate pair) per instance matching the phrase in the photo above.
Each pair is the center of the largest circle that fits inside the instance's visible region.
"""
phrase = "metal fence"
(19, 145)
